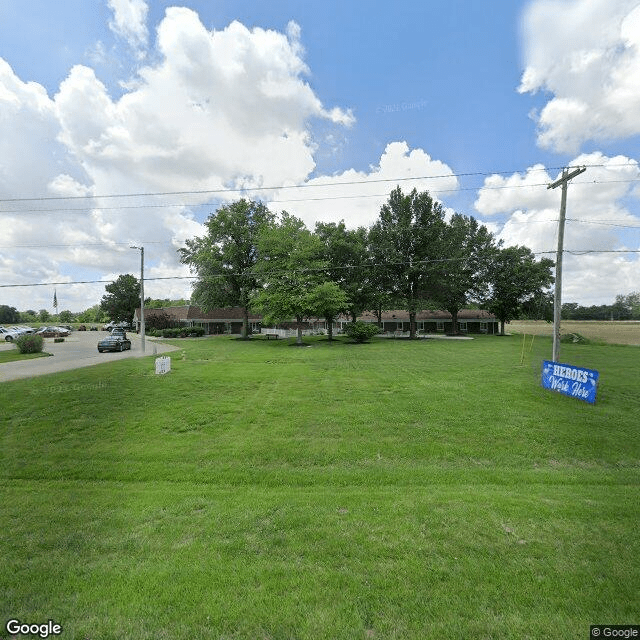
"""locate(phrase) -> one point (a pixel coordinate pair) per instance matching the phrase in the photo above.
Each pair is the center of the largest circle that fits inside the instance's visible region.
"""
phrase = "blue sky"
(127, 96)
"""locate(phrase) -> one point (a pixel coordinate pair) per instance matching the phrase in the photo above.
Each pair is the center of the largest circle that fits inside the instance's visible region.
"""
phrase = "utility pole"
(141, 295)
(557, 297)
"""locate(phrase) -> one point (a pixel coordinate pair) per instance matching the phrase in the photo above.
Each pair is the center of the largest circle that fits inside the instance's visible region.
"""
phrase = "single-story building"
(221, 321)
(214, 322)
(469, 321)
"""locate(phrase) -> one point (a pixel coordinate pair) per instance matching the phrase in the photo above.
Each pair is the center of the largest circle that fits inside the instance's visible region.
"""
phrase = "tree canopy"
(122, 298)
(407, 245)
(410, 258)
(225, 258)
(292, 270)
(515, 279)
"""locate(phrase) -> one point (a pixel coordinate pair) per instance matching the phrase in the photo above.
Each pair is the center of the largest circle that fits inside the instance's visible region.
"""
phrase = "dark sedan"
(114, 343)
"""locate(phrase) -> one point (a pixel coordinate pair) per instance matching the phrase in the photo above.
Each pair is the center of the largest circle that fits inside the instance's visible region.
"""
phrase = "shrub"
(361, 331)
(30, 343)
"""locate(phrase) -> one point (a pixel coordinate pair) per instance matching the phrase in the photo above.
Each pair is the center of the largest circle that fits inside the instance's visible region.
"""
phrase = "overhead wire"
(301, 270)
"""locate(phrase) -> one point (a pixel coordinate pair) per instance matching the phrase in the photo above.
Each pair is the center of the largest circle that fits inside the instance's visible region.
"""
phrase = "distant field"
(396, 490)
(609, 332)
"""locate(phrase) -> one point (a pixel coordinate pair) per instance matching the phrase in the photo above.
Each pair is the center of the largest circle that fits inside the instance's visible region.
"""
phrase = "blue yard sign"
(576, 382)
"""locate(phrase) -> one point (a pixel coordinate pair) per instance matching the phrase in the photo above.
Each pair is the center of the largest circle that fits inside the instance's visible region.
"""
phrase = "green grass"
(13, 355)
(397, 489)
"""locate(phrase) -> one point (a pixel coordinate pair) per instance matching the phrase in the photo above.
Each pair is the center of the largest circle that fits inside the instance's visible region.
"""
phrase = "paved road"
(80, 349)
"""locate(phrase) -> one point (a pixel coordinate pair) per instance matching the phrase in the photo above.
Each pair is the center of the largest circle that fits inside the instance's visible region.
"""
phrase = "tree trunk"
(501, 327)
(299, 337)
(330, 328)
(412, 325)
(245, 323)
(454, 322)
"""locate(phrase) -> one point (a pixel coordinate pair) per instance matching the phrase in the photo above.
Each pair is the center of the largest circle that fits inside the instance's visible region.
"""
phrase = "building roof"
(193, 312)
(423, 316)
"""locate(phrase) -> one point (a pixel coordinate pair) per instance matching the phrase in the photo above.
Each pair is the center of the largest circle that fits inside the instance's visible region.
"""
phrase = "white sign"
(163, 364)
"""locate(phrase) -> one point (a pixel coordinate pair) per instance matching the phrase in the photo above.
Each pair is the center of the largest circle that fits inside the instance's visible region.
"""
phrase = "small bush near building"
(30, 343)
(177, 332)
(361, 331)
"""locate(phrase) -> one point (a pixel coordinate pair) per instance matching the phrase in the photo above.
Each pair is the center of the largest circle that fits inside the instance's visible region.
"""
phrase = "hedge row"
(178, 332)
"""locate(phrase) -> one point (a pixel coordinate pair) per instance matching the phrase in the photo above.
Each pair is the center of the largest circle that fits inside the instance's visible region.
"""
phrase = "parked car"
(52, 332)
(22, 329)
(8, 334)
(118, 331)
(114, 343)
(116, 325)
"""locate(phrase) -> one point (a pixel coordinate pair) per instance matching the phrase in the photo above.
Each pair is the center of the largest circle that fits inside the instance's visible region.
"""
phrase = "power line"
(305, 185)
(187, 205)
(306, 270)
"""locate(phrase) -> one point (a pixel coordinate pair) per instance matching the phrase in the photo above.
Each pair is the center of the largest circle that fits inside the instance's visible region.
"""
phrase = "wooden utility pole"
(557, 298)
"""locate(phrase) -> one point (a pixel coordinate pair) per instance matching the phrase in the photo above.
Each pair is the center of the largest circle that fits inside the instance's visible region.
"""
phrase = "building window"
(484, 327)
(462, 326)
(439, 325)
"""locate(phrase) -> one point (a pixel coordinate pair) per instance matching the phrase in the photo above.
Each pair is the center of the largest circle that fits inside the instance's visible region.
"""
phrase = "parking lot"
(79, 349)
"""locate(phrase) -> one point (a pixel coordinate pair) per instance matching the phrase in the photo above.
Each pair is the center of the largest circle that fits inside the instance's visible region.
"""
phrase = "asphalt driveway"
(79, 349)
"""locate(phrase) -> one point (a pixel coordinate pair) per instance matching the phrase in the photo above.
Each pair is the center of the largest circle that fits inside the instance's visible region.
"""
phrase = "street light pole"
(141, 295)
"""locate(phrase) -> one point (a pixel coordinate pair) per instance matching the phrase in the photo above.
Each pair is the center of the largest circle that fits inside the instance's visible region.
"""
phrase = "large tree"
(516, 278)
(407, 241)
(349, 264)
(122, 298)
(225, 258)
(8, 315)
(463, 275)
(292, 268)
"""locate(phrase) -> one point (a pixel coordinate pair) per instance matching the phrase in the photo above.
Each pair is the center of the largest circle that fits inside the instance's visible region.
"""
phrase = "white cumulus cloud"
(130, 22)
(586, 53)
(356, 196)
(214, 110)
(599, 222)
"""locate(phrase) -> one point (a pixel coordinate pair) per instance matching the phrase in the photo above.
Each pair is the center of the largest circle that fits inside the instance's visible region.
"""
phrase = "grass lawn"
(397, 489)
(11, 355)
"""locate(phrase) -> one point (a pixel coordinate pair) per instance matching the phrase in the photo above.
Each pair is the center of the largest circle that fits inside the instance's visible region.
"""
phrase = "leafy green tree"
(122, 298)
(464, 274)
(349, 264)
(516, 278)
(8, 315)
(292, 269)
(225, 259)
(28, 316)
(93, 314)
(407, 241)
(328, 299)
(44, 315)
(66, 316)
(159, 303)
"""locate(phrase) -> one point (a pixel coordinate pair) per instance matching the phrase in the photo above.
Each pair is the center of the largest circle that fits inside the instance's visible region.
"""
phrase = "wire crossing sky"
(127, 122)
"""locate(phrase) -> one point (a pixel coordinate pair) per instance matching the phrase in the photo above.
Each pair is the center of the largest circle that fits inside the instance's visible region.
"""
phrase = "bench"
(271, 335)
